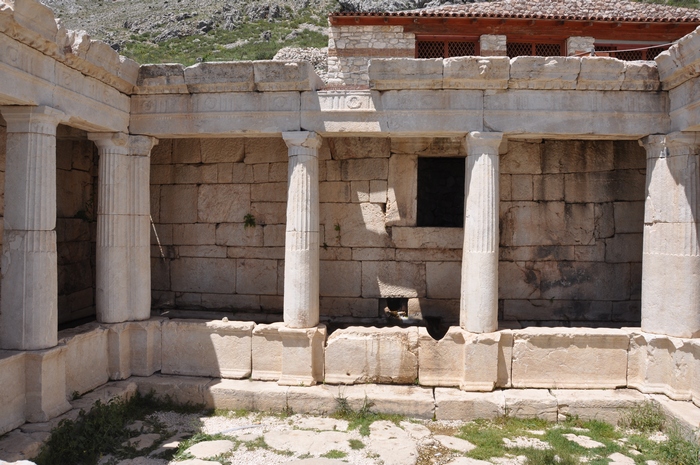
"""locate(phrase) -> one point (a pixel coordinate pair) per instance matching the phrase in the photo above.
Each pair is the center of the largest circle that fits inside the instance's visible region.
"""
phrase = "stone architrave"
(29, 305)
(301, 252)
(671, 257)
(479, 287)
(123, 221)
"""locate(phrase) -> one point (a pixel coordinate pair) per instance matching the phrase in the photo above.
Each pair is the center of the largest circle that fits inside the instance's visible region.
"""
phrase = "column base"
(45, 378)
(134, 348)
(302, 355)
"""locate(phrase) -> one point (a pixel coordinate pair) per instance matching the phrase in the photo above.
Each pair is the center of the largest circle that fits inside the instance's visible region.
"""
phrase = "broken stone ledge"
(37, 384)
(534, 73)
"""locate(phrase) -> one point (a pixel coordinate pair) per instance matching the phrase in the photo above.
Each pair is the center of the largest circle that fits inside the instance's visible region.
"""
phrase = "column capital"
(302, 139)
(141, 146)
(35, 119)
(110, 140)
(479, 143)
(673, 144)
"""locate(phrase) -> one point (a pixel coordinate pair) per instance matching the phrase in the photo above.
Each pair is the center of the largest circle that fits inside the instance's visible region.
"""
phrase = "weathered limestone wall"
(571, 232)
(202, 191)
(351, 47)
(571, 229)
(76, 200)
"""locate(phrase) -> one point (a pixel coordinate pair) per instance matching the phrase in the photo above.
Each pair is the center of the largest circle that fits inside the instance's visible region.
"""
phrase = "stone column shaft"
(479, 287)
(123, 281)
(29, 306)
(301, 255)
(671, 256)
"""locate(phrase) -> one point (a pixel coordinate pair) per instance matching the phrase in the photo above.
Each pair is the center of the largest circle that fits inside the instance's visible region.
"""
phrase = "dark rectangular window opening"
(440, 192)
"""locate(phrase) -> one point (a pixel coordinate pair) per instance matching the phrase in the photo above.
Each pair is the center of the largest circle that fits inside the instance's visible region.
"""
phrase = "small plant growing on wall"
(337, 231)
(249, 221)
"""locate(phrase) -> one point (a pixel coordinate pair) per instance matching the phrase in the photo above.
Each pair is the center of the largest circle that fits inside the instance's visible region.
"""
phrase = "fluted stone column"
(479, 287)
(123, 281)
(671, 258)
(29, 305)
(302, 337)
(301, 247)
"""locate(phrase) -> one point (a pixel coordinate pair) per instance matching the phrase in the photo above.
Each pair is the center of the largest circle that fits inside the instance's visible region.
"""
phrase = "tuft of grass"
(334, 454)
(363, 418)
(646, 417)
(677, 450)
(356, 444)
(103, 429)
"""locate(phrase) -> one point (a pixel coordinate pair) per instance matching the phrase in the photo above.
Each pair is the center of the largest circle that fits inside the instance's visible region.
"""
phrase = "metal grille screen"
(548, 50)
(518, 49)
(461, 49)
(425, 49)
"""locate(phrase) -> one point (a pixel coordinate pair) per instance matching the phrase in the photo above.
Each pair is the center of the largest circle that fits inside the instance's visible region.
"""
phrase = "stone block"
(602, 405)
(453, 404)
(661, 365)
(302, 355)
(256, 276)
(230, 150)
(641, 76)
(277, 76)
(267, 352)
(576, 358)
(695, 380)
(412, 401)
(629, 217)
(247, 395)
(624, 248)
(544, 72)
(359, 191)
(273, 235)
(405, 73)
(178, 204)
(194, 234)
(481, 354)
(685, 415)
(344, 148)
(134, 348)
(158, 78)
(265, 150)
(364, 169)
(604, 186)
(267, 213)
(358, 308)
(207, 348)
(441, 362)
(334, 192)
(429, 146)
(443, 280)
(530, 403)
(505, 359)
(557, 310)
(182, 389)
(187, 151)
(223, 203)
(373, 254)
(220, 77)
(476, 73)
(162, 174)
(195, 174)
(45, 383)
(87, 359)
(601, 73)
(427, 238)
(377, 191)
(372, 355)
(354, 225)
(12, 395)
(341, 278)
(522, 157)
(579, 45)
(213, 275)
(269, 192)
(521, 187)
(581, 156)
(313, 400)
(210, 251)
(393, 279)
(402, 191)
(558, 223)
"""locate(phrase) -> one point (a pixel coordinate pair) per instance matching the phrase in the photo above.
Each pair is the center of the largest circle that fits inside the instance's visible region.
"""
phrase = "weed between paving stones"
(644, 434)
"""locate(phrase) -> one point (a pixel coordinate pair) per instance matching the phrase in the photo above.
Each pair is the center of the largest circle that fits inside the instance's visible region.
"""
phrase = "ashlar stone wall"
(571, 221)
(571, 229)
(76, 227)
(351, 47)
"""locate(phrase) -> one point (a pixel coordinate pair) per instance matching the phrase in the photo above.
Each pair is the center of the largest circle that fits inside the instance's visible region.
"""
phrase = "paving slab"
(311, 442)
(468, 461)
(392, 444)
(207, 449)
(415, 430)
(583, 441)
(454, 443)
(321, 424)
(620, 459)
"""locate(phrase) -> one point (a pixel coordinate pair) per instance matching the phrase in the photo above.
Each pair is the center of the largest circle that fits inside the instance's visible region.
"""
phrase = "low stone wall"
(544, 366)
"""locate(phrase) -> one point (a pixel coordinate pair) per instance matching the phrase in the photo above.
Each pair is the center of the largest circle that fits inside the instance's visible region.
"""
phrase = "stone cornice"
(34, 24)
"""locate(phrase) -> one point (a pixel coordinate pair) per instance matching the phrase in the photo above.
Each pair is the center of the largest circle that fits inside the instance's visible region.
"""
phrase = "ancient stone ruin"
(451, 225)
